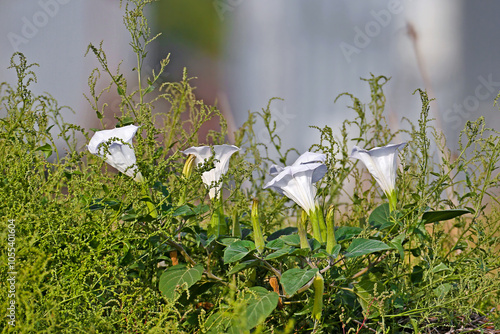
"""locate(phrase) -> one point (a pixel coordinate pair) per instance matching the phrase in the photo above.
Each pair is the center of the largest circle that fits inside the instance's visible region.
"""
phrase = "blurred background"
(244, 52)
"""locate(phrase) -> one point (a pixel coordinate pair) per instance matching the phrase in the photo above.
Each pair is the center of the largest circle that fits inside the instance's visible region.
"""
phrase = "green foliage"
(91, 256)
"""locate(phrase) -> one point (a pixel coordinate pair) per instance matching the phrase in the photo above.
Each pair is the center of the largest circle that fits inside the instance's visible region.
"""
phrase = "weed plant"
(97, 251)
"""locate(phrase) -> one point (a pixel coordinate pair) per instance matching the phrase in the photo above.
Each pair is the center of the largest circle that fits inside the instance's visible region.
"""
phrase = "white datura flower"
(382, 165)
(120, 152)
(297, 181)
(222, 154)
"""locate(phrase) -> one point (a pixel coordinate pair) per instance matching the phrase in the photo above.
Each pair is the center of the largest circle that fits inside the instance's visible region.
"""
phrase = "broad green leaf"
(275, 244)
(216, 323)
(321, 254)
(437, 216)
(442, 290)
(187, 211)
(362, 246)
(365, 290)
(397, 244)
(46, 150)
(238, 250)
(380, 217)
(227, 241)
(177, 276)
(417, 274)
(314, 244)
(294, 279)
(127, 120)
(336, 251)
(280, 252)
(347, 232)
(286, 231)
(292, 240)
(440, 267)
(261, 303)
(243, 265)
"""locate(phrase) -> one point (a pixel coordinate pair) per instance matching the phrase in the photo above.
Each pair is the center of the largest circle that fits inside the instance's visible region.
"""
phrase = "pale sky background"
(306, 52)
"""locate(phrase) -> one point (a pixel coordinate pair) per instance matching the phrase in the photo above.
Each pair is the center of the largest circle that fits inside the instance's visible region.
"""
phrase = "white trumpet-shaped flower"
(382, 165)
(297, 181)
(222, 154)
(120, 153)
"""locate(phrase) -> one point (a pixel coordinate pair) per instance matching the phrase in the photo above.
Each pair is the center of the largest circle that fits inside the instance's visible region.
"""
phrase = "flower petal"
(381, 163)
(121, 156)
(125, 133)
(310, 157)
(222, 154)
(297, 181)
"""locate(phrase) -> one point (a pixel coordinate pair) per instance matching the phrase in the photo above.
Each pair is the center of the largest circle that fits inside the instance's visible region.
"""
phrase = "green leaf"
(437, 216)
(261, 303)
(286, 231)
(442, 290)
(275, 244)
(46, 150)
(127, 120)
(292, 240)
(243, 265)
(294, 279)
(149, 89)
(280, 252)
(380, 217)
(188, 210)
(365, 290)
(417, 275)
(336, 251)
(238, 250)
(362, 246)
(179, 276)
(347, 232)
(397, 244)
(440, 267)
